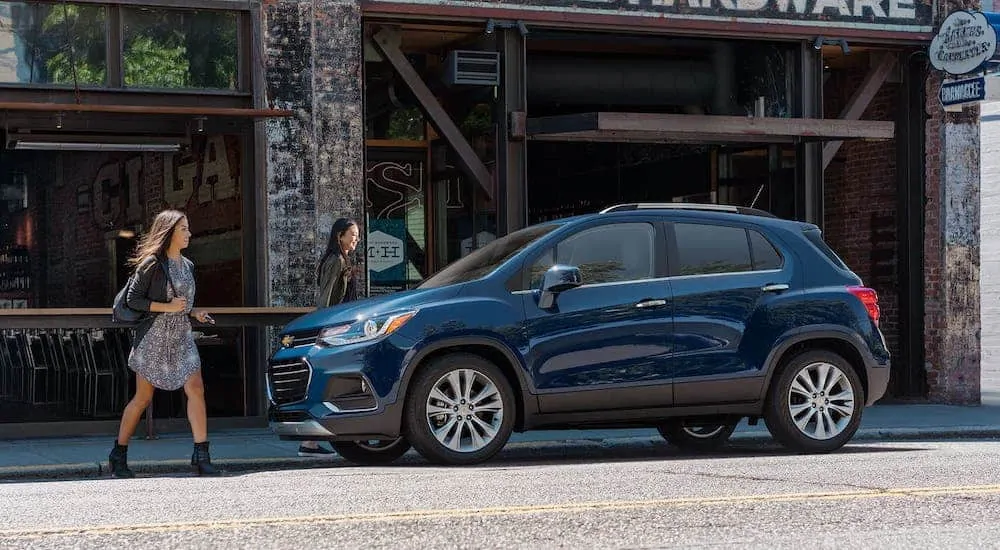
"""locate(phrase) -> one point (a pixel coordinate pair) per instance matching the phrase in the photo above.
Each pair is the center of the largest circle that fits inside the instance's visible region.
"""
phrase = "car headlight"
(363, 330)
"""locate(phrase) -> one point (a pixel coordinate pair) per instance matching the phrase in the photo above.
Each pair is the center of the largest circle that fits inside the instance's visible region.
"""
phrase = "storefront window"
(68, 223)
(395, 197)
(180, 48)
(53, 43)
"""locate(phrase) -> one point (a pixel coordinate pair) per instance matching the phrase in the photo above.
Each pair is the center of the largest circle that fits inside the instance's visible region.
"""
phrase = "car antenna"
(757, 196)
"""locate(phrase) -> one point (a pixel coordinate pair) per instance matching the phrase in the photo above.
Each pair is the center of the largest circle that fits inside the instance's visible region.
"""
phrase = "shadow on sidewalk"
(552, 455)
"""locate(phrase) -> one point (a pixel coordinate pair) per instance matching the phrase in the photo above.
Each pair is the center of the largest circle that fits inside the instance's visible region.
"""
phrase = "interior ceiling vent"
(472, 68)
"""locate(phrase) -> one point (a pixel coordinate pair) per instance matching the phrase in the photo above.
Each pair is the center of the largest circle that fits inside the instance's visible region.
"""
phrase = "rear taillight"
(869, 298)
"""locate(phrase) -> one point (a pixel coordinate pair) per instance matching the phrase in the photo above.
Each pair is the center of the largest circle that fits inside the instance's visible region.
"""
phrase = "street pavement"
(258, 449)
(871, 494)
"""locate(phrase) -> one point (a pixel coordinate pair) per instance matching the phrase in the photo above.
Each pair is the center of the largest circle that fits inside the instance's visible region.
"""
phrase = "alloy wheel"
(464, 410)
(821, 401)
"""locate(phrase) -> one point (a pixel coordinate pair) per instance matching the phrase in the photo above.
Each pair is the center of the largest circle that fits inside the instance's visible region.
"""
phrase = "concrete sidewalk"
(257, 449)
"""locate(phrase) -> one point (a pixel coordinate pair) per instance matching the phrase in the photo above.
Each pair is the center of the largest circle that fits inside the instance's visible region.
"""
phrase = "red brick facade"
(860, 200)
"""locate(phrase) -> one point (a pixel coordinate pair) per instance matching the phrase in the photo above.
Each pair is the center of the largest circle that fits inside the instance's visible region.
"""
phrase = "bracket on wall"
(877, 75)
(386, 42)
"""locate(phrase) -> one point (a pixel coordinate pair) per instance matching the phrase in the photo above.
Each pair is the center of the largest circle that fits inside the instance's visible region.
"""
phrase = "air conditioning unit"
(472, 68)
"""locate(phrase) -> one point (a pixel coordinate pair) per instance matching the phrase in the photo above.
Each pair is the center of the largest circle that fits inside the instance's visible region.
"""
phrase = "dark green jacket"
(334, 274)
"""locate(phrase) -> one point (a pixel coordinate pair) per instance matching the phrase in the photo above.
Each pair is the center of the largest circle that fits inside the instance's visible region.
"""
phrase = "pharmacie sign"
(966, 41)
(888, 15)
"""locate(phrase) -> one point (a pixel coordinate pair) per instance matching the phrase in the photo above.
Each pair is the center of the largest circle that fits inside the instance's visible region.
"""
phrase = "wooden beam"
(386, 44)
(862, 97)
(651, 127)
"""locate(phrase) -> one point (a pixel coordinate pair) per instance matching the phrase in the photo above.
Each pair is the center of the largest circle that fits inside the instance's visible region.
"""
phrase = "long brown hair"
(341, 226)
(157, 239)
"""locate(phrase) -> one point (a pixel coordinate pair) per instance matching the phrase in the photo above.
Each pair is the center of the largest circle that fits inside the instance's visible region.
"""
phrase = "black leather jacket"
(150, 286)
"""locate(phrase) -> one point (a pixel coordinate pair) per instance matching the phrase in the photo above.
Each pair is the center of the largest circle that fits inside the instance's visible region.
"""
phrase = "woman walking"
(337, 285)
(164, 354)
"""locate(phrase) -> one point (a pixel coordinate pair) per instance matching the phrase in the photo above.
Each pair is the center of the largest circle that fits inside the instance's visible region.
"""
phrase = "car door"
(723, 277)
(605, 344)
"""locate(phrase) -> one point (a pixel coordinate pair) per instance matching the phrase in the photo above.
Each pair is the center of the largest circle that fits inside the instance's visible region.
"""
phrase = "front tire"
(815, 404)
(372, 453)
(699, 436)
(460, 410)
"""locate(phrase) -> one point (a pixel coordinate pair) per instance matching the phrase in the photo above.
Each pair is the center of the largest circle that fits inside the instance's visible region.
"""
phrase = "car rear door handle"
(774, 287)
(651, 303)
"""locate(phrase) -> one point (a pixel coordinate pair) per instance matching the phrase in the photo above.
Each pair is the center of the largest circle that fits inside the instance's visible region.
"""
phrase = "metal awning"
(166, 110)
(663, 128)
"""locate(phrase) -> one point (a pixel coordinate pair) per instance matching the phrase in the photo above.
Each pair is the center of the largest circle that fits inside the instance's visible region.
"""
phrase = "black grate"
(288, 382)
(289, 416)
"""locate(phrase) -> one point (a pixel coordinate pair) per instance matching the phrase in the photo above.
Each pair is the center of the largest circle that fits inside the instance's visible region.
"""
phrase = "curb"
(98, 470)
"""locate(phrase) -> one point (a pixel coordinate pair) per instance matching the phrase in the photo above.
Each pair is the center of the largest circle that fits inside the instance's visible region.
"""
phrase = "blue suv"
(683, 317)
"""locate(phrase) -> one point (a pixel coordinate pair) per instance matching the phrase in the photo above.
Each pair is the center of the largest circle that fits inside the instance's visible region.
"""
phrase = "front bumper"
(348, 394)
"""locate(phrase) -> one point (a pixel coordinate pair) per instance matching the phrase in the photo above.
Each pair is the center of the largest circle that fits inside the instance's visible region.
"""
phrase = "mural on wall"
(85, 210)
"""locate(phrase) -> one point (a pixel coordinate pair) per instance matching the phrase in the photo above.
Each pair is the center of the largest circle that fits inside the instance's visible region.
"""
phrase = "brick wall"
(315, 158)
(951, 246)
(860, 221)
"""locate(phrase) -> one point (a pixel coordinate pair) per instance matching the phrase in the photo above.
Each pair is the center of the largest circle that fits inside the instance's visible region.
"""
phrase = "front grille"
(288, 416)
(288, 381)
(300, 339)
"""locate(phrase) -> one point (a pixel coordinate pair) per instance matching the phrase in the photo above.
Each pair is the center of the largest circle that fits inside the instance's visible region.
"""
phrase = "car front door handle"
(651, 303)
(774, 287)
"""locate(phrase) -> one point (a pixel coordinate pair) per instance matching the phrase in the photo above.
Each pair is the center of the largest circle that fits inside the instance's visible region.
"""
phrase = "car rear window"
(816, 238)
(707, 249)
(765, 256)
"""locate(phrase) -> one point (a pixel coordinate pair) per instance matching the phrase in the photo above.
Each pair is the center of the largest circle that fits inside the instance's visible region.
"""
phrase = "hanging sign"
(966, 41)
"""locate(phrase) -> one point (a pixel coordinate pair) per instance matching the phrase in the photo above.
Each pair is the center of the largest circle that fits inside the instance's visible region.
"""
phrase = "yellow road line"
(411, 515)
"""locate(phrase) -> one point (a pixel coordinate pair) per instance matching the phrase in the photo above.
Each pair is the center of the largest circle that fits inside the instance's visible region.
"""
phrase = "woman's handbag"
(124, 315)
(120, 312)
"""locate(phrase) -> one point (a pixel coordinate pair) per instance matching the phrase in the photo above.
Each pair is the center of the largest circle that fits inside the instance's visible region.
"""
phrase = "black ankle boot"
(118, 462)
(201, 461)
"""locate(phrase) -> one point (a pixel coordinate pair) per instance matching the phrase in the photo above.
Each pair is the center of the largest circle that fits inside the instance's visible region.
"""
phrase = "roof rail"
(688, 206)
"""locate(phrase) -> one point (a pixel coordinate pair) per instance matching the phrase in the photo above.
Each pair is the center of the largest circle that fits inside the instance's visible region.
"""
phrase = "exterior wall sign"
(894, 15)
(965, 42)
(958, 92)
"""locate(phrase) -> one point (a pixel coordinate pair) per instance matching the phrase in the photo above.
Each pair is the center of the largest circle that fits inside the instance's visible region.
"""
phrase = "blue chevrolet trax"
(686, 318)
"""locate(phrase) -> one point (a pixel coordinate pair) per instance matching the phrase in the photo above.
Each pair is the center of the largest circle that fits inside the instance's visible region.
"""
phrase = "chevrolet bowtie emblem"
(287, 340)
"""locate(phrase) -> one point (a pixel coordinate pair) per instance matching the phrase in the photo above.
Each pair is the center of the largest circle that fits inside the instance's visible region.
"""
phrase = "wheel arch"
(487, 348)
(836, 340)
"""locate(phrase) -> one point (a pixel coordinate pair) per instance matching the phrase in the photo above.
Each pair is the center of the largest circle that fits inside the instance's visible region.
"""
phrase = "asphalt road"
(893, 495)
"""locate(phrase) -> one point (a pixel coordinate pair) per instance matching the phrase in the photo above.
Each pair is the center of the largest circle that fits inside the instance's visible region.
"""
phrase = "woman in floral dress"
(164, 354)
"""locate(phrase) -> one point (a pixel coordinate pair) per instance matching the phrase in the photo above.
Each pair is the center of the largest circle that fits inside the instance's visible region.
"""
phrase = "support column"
(809, 173)
(512, 145)
(314, 172)
(951, 251)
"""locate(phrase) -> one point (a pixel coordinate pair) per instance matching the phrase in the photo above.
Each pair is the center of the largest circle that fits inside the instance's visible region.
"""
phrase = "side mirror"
(558, 279)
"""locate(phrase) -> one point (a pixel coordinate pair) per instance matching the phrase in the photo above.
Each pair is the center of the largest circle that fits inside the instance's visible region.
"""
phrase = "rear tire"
(372, 453)
(815, 404)
(460, 409)
(699, 436)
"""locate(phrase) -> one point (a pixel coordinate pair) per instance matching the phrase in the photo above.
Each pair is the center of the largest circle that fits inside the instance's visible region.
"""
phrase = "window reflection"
(52, 43)
(180, 48)
(68, 223)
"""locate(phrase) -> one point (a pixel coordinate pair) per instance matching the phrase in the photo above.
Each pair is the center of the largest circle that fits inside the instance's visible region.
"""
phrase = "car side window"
(606, 254)
(765, 256)
(704, 249)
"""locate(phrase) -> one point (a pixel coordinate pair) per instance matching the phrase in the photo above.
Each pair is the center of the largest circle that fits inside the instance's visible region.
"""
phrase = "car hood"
(368, 307)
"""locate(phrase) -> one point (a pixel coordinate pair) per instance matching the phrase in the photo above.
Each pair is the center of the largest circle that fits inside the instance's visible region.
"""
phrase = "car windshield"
(485, 260)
